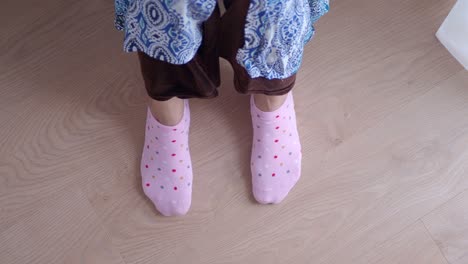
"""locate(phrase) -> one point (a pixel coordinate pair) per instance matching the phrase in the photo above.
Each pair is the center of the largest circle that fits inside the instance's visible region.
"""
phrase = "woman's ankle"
(269, 103)
(168, 112)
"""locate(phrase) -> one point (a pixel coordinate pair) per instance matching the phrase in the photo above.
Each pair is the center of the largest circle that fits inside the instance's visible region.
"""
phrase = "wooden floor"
(383, 115)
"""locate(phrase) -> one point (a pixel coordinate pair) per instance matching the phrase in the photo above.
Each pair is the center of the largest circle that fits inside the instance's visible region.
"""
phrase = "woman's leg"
(168, 112)
(266, 52)
(166, 167)
(276, 148)
(269, 103)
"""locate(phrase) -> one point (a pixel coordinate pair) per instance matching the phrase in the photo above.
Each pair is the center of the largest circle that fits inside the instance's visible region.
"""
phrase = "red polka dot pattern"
(165, 162)
(281, 162)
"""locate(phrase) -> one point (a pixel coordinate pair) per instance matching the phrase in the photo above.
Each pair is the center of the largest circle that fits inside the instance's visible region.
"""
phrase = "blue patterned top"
(170, 30)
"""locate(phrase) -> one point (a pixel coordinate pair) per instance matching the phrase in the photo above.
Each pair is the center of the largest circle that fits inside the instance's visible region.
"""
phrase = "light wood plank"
(405, 171)
(448, 225)
(64, 229)
(412, 245)
(370, 51)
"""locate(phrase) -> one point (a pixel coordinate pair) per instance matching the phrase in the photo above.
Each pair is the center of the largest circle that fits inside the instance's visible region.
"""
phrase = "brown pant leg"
(232, 39)
(199, 78)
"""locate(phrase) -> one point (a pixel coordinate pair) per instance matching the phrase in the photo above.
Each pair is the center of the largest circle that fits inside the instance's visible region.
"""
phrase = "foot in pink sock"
(276, 152)
(166, 166)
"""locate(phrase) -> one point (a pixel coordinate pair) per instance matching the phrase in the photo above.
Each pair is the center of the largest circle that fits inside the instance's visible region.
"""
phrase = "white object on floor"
(453, 33)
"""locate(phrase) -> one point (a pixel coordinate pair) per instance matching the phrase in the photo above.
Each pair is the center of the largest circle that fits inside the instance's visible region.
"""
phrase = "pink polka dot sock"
(276, 152)
(166, 167)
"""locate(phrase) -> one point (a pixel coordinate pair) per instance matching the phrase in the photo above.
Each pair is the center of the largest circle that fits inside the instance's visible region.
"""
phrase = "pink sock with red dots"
(166, 166)
(276, 152)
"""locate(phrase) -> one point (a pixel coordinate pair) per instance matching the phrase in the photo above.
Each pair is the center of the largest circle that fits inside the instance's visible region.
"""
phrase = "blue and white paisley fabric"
(170, 30)
(275, 34)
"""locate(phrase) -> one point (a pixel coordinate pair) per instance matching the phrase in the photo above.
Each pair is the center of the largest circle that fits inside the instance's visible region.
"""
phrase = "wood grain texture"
(448, 225)
(63, 229)
(412, 245)
(382, 110)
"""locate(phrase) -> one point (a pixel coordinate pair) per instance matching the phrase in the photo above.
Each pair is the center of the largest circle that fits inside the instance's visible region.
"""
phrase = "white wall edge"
(453, 33)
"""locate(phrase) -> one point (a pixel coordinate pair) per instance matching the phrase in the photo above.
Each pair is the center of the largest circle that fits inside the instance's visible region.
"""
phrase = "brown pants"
(199, 78)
